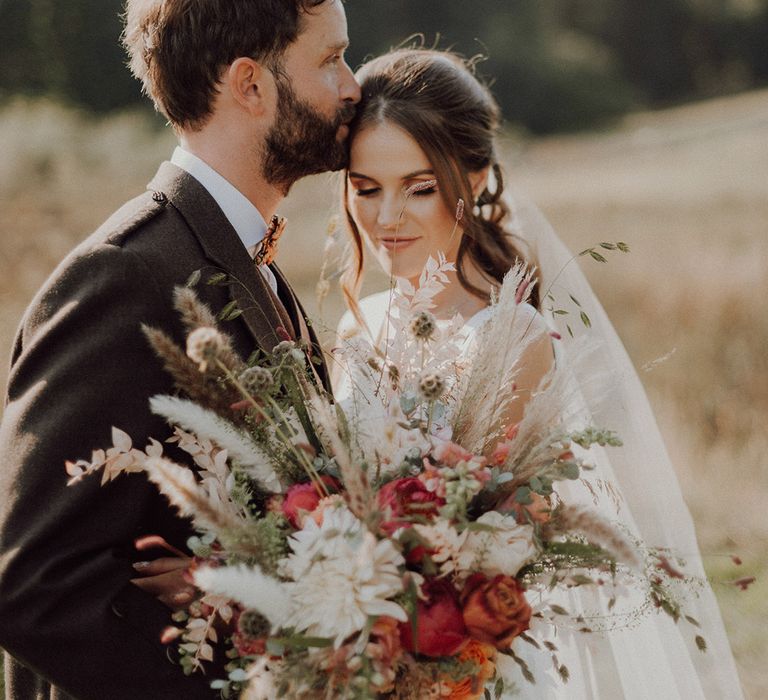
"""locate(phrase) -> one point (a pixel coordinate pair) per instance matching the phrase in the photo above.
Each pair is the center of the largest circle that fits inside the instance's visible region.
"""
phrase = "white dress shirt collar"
(245, 218)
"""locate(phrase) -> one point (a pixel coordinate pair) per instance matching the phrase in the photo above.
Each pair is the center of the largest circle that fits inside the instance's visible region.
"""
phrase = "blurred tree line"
(555, 64)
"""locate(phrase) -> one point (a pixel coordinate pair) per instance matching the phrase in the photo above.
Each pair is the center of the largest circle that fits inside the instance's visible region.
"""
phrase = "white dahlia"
(342, 575)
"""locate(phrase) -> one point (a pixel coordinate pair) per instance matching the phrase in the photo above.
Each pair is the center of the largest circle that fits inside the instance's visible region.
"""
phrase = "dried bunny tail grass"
(358, 493)
(206, 424)
(200, 387)
(249, 586)
(598, 531)
(195, 314)
(485, 395)
(179, 486)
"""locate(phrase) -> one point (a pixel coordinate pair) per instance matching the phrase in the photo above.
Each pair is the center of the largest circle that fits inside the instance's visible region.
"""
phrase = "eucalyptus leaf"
(194, 278)
(218, 278)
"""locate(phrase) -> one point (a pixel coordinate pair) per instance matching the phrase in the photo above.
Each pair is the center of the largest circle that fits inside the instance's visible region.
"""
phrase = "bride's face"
(384, 162)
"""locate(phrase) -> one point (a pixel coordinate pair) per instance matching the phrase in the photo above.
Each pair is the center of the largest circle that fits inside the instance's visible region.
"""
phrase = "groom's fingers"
(170, 588)
(162, 565)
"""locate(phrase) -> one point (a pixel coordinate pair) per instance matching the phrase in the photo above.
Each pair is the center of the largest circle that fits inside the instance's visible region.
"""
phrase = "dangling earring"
(485, 198)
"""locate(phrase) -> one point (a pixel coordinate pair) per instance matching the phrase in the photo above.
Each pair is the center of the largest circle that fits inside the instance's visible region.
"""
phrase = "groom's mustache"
(346, 114)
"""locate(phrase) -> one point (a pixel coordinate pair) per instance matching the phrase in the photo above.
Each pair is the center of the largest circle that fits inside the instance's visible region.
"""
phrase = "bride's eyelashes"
(367, 191)
(425, 192)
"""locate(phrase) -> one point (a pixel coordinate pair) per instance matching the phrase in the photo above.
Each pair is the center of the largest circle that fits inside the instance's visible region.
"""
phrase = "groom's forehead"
(323, 27)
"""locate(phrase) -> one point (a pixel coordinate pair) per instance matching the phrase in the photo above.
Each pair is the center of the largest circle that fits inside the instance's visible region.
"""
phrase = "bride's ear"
(479, 181)
(251, 86)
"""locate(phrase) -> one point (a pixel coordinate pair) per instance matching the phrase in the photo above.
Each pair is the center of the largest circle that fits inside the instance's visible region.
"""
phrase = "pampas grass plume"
(249, 586)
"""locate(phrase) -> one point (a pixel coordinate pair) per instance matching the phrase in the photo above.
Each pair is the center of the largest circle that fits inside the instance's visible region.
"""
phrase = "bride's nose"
(391, 213)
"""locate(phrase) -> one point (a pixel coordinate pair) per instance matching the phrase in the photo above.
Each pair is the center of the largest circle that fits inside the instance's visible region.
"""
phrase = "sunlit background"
(637, 120)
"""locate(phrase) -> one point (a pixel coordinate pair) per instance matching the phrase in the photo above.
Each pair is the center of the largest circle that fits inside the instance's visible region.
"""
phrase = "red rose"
(302, 499)
(495, 610)
(440, 629)
(248, 646)
(403, 499)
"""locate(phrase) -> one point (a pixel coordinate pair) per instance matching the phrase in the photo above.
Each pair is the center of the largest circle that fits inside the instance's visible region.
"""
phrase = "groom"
(258, 92)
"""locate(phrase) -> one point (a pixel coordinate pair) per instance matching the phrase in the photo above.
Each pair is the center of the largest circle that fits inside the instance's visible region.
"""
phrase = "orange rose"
(495, 610)
(471, 688)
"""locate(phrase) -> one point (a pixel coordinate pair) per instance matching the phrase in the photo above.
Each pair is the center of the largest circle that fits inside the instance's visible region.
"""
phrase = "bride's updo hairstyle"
(435, 98)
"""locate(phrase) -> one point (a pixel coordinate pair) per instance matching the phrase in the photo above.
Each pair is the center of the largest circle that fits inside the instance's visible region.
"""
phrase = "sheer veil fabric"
(651, 658)
(656, 659)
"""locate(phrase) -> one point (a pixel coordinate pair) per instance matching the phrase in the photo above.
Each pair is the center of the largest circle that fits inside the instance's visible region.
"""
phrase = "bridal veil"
(656, 659)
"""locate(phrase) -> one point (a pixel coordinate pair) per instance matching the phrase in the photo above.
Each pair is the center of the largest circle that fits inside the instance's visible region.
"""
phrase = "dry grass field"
(687, 189)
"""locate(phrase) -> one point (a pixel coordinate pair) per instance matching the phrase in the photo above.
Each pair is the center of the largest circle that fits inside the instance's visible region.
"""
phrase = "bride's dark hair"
(435, 97)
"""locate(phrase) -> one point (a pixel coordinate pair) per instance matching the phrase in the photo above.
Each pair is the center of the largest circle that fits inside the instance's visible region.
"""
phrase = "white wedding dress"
(648, 657)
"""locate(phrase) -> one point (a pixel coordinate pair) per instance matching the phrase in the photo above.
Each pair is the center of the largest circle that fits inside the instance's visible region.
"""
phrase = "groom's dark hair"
(178, 48)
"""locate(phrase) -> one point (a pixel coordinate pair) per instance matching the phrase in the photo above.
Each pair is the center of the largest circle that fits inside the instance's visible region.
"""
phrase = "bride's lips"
(397, 243)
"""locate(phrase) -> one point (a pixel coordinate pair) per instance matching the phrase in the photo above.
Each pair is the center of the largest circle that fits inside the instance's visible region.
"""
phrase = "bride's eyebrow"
(409, 176)
(426, 171)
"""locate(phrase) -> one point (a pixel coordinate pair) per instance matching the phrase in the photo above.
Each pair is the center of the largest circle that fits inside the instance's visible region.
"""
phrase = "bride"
(423, 143)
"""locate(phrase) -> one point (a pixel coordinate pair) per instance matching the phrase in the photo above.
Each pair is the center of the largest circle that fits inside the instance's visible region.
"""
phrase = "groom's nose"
(350, 90)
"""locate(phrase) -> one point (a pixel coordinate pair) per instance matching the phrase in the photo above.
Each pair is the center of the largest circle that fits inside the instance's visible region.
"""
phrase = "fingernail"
(141, 565)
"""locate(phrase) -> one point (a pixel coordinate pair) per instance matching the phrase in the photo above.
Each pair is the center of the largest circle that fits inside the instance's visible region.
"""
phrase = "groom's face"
(317, 93)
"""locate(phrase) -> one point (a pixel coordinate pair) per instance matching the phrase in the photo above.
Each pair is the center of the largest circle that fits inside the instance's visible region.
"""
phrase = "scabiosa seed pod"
(431, 385)
(204, 345)
(283, 347)
(423, 325)
(253, 624)
(394, 376)
(256, 380)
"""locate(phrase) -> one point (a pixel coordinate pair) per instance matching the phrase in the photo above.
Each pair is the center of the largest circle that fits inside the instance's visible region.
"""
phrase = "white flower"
(447, 545)
(338, 534)
(343, 575)
(505, 550)
(262, 685)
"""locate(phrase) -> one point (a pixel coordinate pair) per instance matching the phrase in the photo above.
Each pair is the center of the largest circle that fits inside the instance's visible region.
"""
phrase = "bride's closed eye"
(366, 191)
(425, 191)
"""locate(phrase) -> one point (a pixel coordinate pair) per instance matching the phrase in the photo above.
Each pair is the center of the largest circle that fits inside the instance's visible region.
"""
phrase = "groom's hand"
(165, 579)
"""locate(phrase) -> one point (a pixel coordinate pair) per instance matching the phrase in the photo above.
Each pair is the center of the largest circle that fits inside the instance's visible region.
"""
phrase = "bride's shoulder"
(372, 310)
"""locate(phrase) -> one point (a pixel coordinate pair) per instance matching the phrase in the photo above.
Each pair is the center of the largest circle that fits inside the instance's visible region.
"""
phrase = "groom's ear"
(251, 86)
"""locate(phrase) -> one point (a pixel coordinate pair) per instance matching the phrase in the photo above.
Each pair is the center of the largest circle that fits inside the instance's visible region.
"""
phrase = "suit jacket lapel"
(305, 331)
(260, 308)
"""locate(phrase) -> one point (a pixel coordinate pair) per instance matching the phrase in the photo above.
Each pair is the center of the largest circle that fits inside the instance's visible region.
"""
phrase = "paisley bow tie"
(268, 249)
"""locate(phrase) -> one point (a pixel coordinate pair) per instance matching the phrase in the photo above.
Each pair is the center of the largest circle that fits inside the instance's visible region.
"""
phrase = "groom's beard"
(302, 141)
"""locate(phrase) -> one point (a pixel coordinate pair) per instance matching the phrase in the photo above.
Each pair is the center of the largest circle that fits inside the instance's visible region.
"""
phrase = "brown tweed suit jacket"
(72, 623)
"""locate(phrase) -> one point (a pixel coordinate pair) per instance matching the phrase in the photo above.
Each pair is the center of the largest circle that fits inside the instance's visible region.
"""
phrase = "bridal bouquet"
(404, 542)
